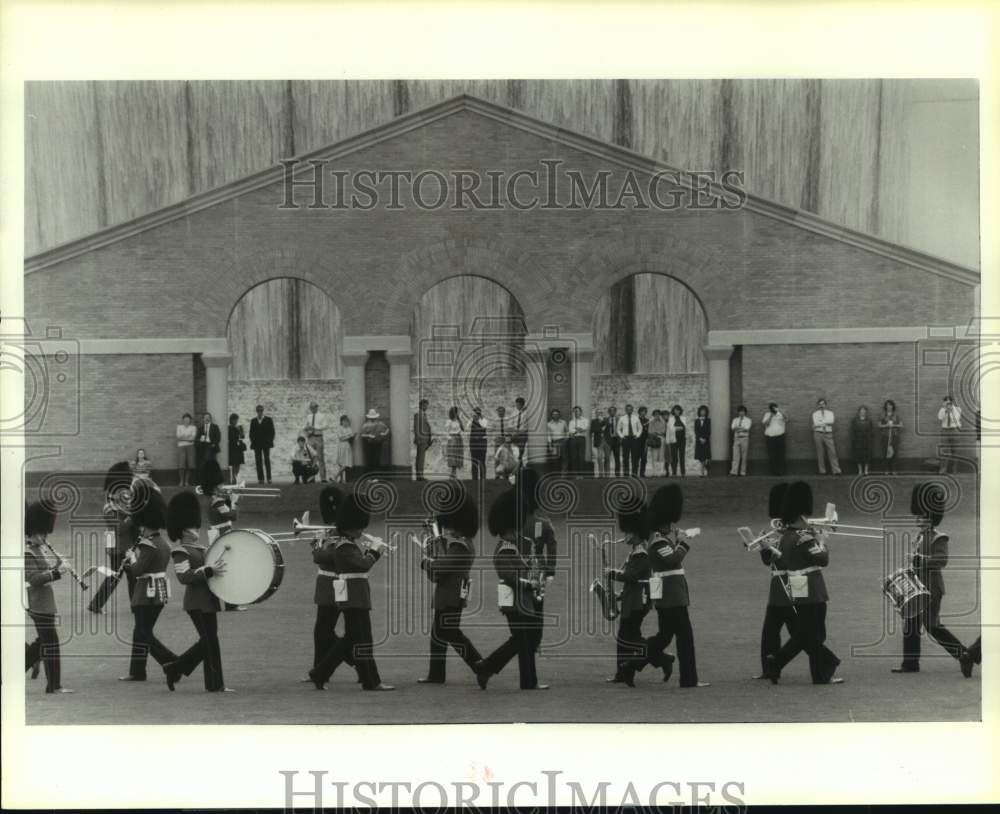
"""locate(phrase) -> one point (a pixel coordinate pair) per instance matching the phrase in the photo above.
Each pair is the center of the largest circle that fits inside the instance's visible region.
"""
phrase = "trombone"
(829, 523)
(242, 490)
(300, 527)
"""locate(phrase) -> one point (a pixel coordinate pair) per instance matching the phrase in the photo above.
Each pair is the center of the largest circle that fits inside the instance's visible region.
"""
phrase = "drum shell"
(907, 593)
(254, 566)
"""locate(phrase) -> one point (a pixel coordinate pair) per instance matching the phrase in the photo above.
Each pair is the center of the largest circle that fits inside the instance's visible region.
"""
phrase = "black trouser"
(446, 630)
(678, 451)
(630, 456)
(46, 648)
(356, 644)
(976, 650)
(775, 617)
(144, 640)
(643, 451)
(776, 453)
(371, 454)
(478, 459)
(577, 455)
(525, 632)
(205, 651)
(808, 634)
(631, 652)
(616, 451)
(325, 634)
(262, 458)
(305, 471)
(929, 620)
(675, 623)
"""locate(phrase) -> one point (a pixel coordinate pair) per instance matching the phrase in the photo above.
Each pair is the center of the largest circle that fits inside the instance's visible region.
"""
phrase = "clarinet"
(61, 562)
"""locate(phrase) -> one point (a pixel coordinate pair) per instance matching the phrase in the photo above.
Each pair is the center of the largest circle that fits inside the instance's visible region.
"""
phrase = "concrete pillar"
(217, 397)
(583, 395)
(354, 394)
(718, 398)
(399, 405)
(537, 404)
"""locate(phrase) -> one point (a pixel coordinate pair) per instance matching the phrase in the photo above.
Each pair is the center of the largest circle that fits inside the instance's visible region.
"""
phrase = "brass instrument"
(829, 524)
(303, 526)
(242, 490)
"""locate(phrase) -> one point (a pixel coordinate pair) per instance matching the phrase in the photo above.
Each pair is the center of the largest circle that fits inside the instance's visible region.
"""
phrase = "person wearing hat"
(803, 555)
(540, 544)
(447, 560)
(373, 435)
(632, 654)
(355, 555)
(121, 533)
(147, 563)
(41, 569)
(316, 424)
(668, 588)
(515, 596)
(779, 612)
(222, 509)
(930, 558)
(200, 604)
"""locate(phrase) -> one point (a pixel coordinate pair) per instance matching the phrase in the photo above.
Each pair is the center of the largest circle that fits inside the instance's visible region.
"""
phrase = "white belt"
(350, 576)
(323, 573)
(675, 572)
(811, 569)
(157, 575)
(227, 524)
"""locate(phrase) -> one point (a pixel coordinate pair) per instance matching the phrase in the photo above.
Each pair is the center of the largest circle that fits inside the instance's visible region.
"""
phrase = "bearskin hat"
(928, 500)
(775, 499)
(503, 515)
(183, 512)
(210, 476)
(666, 506)
(38, 519)
(798, 502)
(329, 499)
(352, 515)
(119, 477)
(635, 521)
(150, 510)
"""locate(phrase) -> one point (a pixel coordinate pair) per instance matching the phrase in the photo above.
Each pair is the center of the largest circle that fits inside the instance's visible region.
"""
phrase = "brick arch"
(422, 269)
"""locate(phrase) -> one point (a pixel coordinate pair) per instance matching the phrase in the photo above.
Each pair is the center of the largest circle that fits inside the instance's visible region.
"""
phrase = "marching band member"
(188, 555)
(541, 551)
(147, 563)
(973, 655)
(448, 569)
(780, 612)
(632, 654)
(353, 559)
(668, 586)
(222, 510)
(516, 596)
(325, 636)
(929, 560)
(122, 533)
(803, 555)
(40, 571)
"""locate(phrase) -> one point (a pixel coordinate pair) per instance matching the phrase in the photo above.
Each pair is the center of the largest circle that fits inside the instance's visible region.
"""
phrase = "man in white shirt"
(741, 440)
(579, 429)
(316, 424)
(774, 436)
(630, 431)
(822, 420)
(950, 416)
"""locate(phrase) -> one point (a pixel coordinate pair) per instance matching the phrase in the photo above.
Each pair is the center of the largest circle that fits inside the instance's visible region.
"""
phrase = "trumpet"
(763, 540)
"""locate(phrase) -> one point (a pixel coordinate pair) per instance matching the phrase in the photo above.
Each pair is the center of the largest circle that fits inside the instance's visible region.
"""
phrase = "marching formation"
(145, 535)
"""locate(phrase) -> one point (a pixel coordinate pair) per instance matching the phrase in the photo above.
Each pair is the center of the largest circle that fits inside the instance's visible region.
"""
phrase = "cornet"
(762, 540)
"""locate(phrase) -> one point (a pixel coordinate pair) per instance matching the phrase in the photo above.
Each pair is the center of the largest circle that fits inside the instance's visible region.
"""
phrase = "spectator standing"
(503, 425)
(304, 464)
(237, 446)
(455, 450)
(741, 440)
(186, 434)
(316, 424)
(373, 435)
(519, 425)
(579, 429)
(891, 427)
(345, 449)
(656, 443)
(629, 430)
(774, 421)
(822, 421)
(422, 437)
(703, 440)
(950, 416)
(677, 427)
(261, 442)
(862, 431)
(478, 430)
(207, 441)
(556, 432)
(612, 442)
(643, 438)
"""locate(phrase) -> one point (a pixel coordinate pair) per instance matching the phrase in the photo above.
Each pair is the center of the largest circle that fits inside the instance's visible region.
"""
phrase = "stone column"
(583, 395)
(718, 398)
(537, 397)
(354, 394)
(217, 397)
(399, 405)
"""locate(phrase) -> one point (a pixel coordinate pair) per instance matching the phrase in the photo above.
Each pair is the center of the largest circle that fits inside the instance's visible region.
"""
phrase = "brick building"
(791, 307)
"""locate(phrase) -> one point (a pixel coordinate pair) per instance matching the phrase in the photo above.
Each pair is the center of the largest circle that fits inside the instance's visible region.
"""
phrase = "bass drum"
(253, 566)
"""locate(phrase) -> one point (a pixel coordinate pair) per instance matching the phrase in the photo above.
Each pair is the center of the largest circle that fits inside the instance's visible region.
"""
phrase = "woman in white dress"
(345, 452)
(453, 451)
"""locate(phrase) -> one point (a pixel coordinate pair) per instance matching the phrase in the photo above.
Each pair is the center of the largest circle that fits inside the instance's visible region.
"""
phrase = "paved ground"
(267, 650)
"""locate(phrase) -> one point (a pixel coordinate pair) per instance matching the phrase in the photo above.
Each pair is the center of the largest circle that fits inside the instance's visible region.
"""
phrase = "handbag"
(653, 441)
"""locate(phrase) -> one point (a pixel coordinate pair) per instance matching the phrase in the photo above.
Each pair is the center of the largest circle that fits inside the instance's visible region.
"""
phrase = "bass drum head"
(253, 567)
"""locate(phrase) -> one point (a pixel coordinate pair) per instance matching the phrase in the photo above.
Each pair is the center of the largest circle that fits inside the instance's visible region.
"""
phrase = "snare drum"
(907, 593)
(254, 566)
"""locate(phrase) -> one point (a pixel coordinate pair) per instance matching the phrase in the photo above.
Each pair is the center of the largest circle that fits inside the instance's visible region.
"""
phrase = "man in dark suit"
(422, 437)
(206, 443)
(261, 441)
